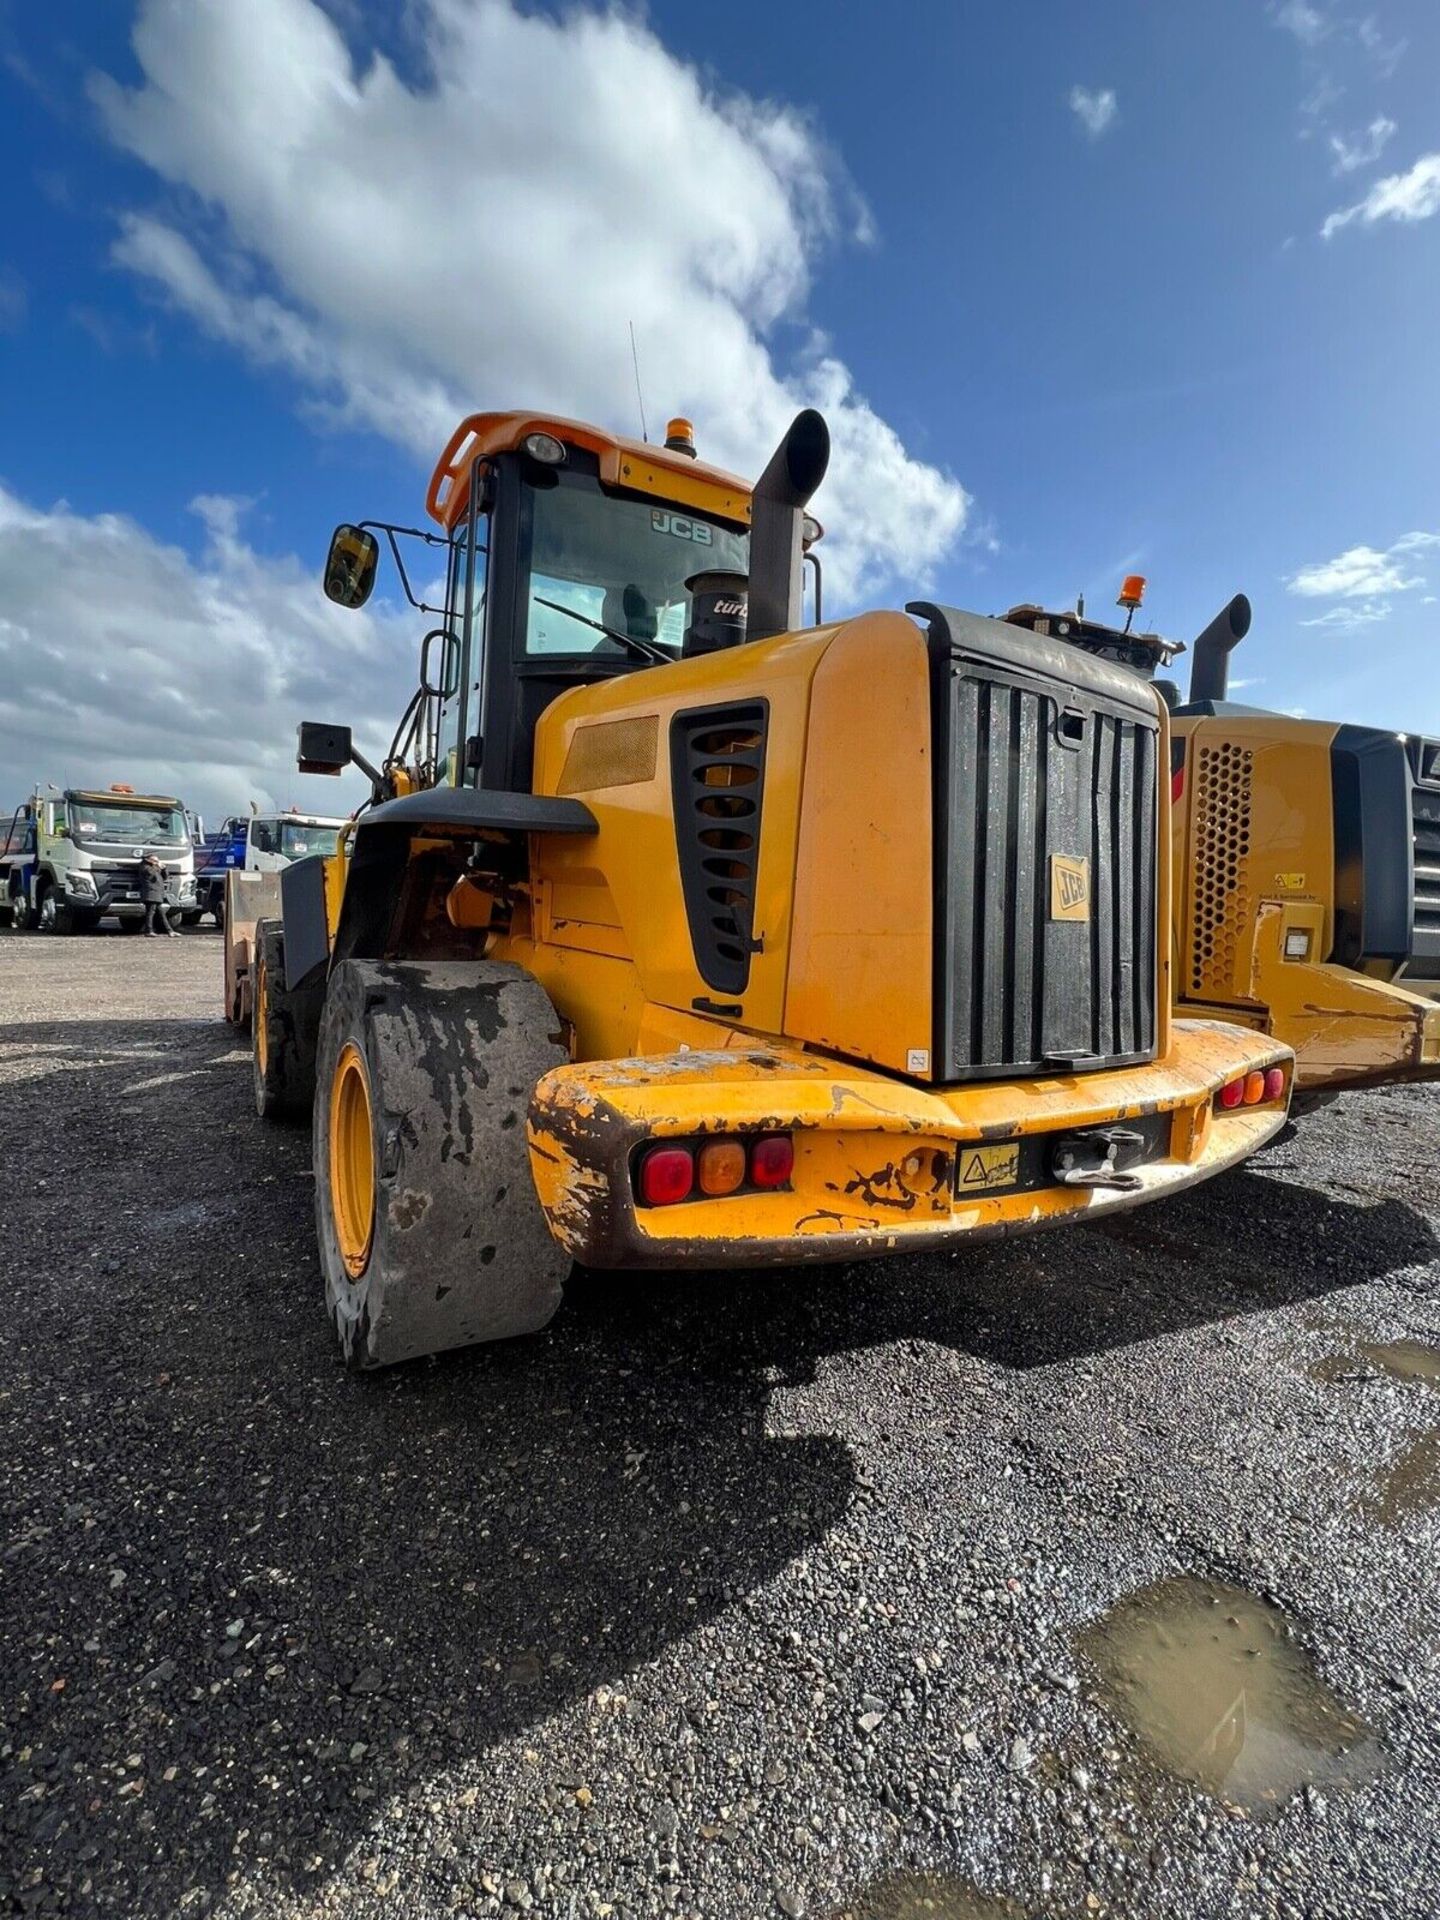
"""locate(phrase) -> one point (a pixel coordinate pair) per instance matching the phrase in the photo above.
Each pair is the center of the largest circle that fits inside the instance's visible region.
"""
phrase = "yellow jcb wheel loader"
(682, 934)
(1306, 862)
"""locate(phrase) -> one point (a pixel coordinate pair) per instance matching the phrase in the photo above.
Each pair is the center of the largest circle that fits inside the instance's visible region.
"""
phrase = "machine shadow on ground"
(425, 1563)
(1038, 1300)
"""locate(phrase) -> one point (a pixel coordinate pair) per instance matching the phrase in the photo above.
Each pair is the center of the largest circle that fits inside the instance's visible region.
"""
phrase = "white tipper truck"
(259, 843)
(70, 855)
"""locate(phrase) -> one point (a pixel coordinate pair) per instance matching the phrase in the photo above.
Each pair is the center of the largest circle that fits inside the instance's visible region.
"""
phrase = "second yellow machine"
(680, 933)
(1307, 865)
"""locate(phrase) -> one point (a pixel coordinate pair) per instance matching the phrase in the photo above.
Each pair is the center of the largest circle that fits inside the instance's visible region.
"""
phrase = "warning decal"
(984, 1168)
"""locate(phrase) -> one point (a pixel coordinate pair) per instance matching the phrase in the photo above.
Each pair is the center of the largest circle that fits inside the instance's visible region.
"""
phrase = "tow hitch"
(1088, 1159)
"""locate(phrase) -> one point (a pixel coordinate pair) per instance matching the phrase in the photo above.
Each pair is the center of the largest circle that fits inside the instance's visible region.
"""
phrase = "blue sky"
(1061, 276)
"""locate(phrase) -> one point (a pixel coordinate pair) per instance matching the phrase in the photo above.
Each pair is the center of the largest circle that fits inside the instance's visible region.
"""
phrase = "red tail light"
(667, 1175)
(772, 1160)
(1251, 1088)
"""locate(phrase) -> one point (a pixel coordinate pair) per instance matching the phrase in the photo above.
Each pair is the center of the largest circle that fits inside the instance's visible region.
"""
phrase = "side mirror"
(320, 748)
(446, 684)
(350, 566)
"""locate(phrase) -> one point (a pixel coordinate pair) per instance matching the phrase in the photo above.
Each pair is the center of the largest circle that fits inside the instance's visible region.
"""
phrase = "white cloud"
(1400, 196)
(1386, 55)
(1308, 24)
(1094, 108)
(410, 250)
(1345, 619)
(1365, 149)
(1364, 573)
(123, 659)
(1322, 96)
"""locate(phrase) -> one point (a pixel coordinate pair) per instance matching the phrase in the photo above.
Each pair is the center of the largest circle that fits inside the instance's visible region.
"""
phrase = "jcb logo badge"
(682, 527)
(1069, 888)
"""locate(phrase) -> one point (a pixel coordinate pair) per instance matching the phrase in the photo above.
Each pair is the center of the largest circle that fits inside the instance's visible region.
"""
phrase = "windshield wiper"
(657, 656)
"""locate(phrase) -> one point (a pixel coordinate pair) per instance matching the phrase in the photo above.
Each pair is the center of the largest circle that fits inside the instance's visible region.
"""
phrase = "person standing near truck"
(153, 888)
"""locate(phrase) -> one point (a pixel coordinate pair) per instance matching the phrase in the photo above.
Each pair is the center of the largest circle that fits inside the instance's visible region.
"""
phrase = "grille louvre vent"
(717, 772)
(1424, 959)
(1037, 774)
(1222, 906)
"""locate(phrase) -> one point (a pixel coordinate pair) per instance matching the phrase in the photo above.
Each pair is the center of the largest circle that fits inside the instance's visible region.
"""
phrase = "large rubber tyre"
(190, 917)
(50, 910)
(284, 1027)
(66, 917)
(431, 1234)
(22, 919)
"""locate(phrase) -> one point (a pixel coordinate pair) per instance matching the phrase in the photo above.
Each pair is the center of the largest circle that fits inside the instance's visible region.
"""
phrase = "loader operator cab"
(572, 558)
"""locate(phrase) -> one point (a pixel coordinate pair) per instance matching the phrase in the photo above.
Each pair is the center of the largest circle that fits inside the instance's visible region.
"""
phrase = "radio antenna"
(639, 396)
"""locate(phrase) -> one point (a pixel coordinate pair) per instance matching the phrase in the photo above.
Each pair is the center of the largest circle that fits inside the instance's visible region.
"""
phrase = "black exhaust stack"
(777, 520)
(1210, 661)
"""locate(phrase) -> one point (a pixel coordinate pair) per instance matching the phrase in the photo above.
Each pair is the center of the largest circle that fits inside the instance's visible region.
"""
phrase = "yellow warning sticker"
(1290, 882)
(984, 1168)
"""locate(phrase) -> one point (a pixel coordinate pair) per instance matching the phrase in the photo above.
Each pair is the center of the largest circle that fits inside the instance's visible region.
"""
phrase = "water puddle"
(927, 1896)
(1401, 1359)
(1412, 1485)
(1335, 1369)
(1406, 1360)
(1211, 1682)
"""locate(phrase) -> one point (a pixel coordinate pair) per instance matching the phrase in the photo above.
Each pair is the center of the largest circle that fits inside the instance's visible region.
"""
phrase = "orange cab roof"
(674, 477)
(121, 797)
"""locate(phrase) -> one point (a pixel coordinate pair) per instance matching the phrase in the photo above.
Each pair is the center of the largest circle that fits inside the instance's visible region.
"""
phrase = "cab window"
(464, 597)
(619, 562)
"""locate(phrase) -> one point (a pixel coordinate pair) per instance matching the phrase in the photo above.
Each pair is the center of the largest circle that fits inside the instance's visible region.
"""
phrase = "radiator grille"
(1043, 784)
(717, 771)
(1220, 843)
(1424, 959)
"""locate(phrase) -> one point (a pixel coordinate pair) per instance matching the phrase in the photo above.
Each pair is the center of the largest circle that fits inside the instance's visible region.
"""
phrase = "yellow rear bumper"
(881, 1166)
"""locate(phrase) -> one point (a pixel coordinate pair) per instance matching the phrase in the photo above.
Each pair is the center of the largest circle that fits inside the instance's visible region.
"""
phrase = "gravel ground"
(725, 1596)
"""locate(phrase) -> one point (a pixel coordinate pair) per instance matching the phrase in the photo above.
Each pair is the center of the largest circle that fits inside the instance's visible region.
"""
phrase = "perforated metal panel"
(1222, 905)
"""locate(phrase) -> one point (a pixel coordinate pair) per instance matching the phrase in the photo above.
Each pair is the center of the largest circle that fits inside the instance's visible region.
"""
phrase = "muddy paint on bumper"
(875, 1158)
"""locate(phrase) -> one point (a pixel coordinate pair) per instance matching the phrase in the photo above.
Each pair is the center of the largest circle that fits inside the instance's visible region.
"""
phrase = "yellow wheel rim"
(262, 1023)
(352, 1160)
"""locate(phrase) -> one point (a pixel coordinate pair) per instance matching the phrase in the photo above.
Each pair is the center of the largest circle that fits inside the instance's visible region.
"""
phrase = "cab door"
(263, 853)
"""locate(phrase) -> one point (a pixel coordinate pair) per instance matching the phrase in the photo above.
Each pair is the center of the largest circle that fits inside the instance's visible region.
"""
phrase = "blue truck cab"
(259, 843)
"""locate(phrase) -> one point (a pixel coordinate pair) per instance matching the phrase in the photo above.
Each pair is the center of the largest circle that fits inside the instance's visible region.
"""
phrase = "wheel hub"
(352, 1160)
(261, 1018)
